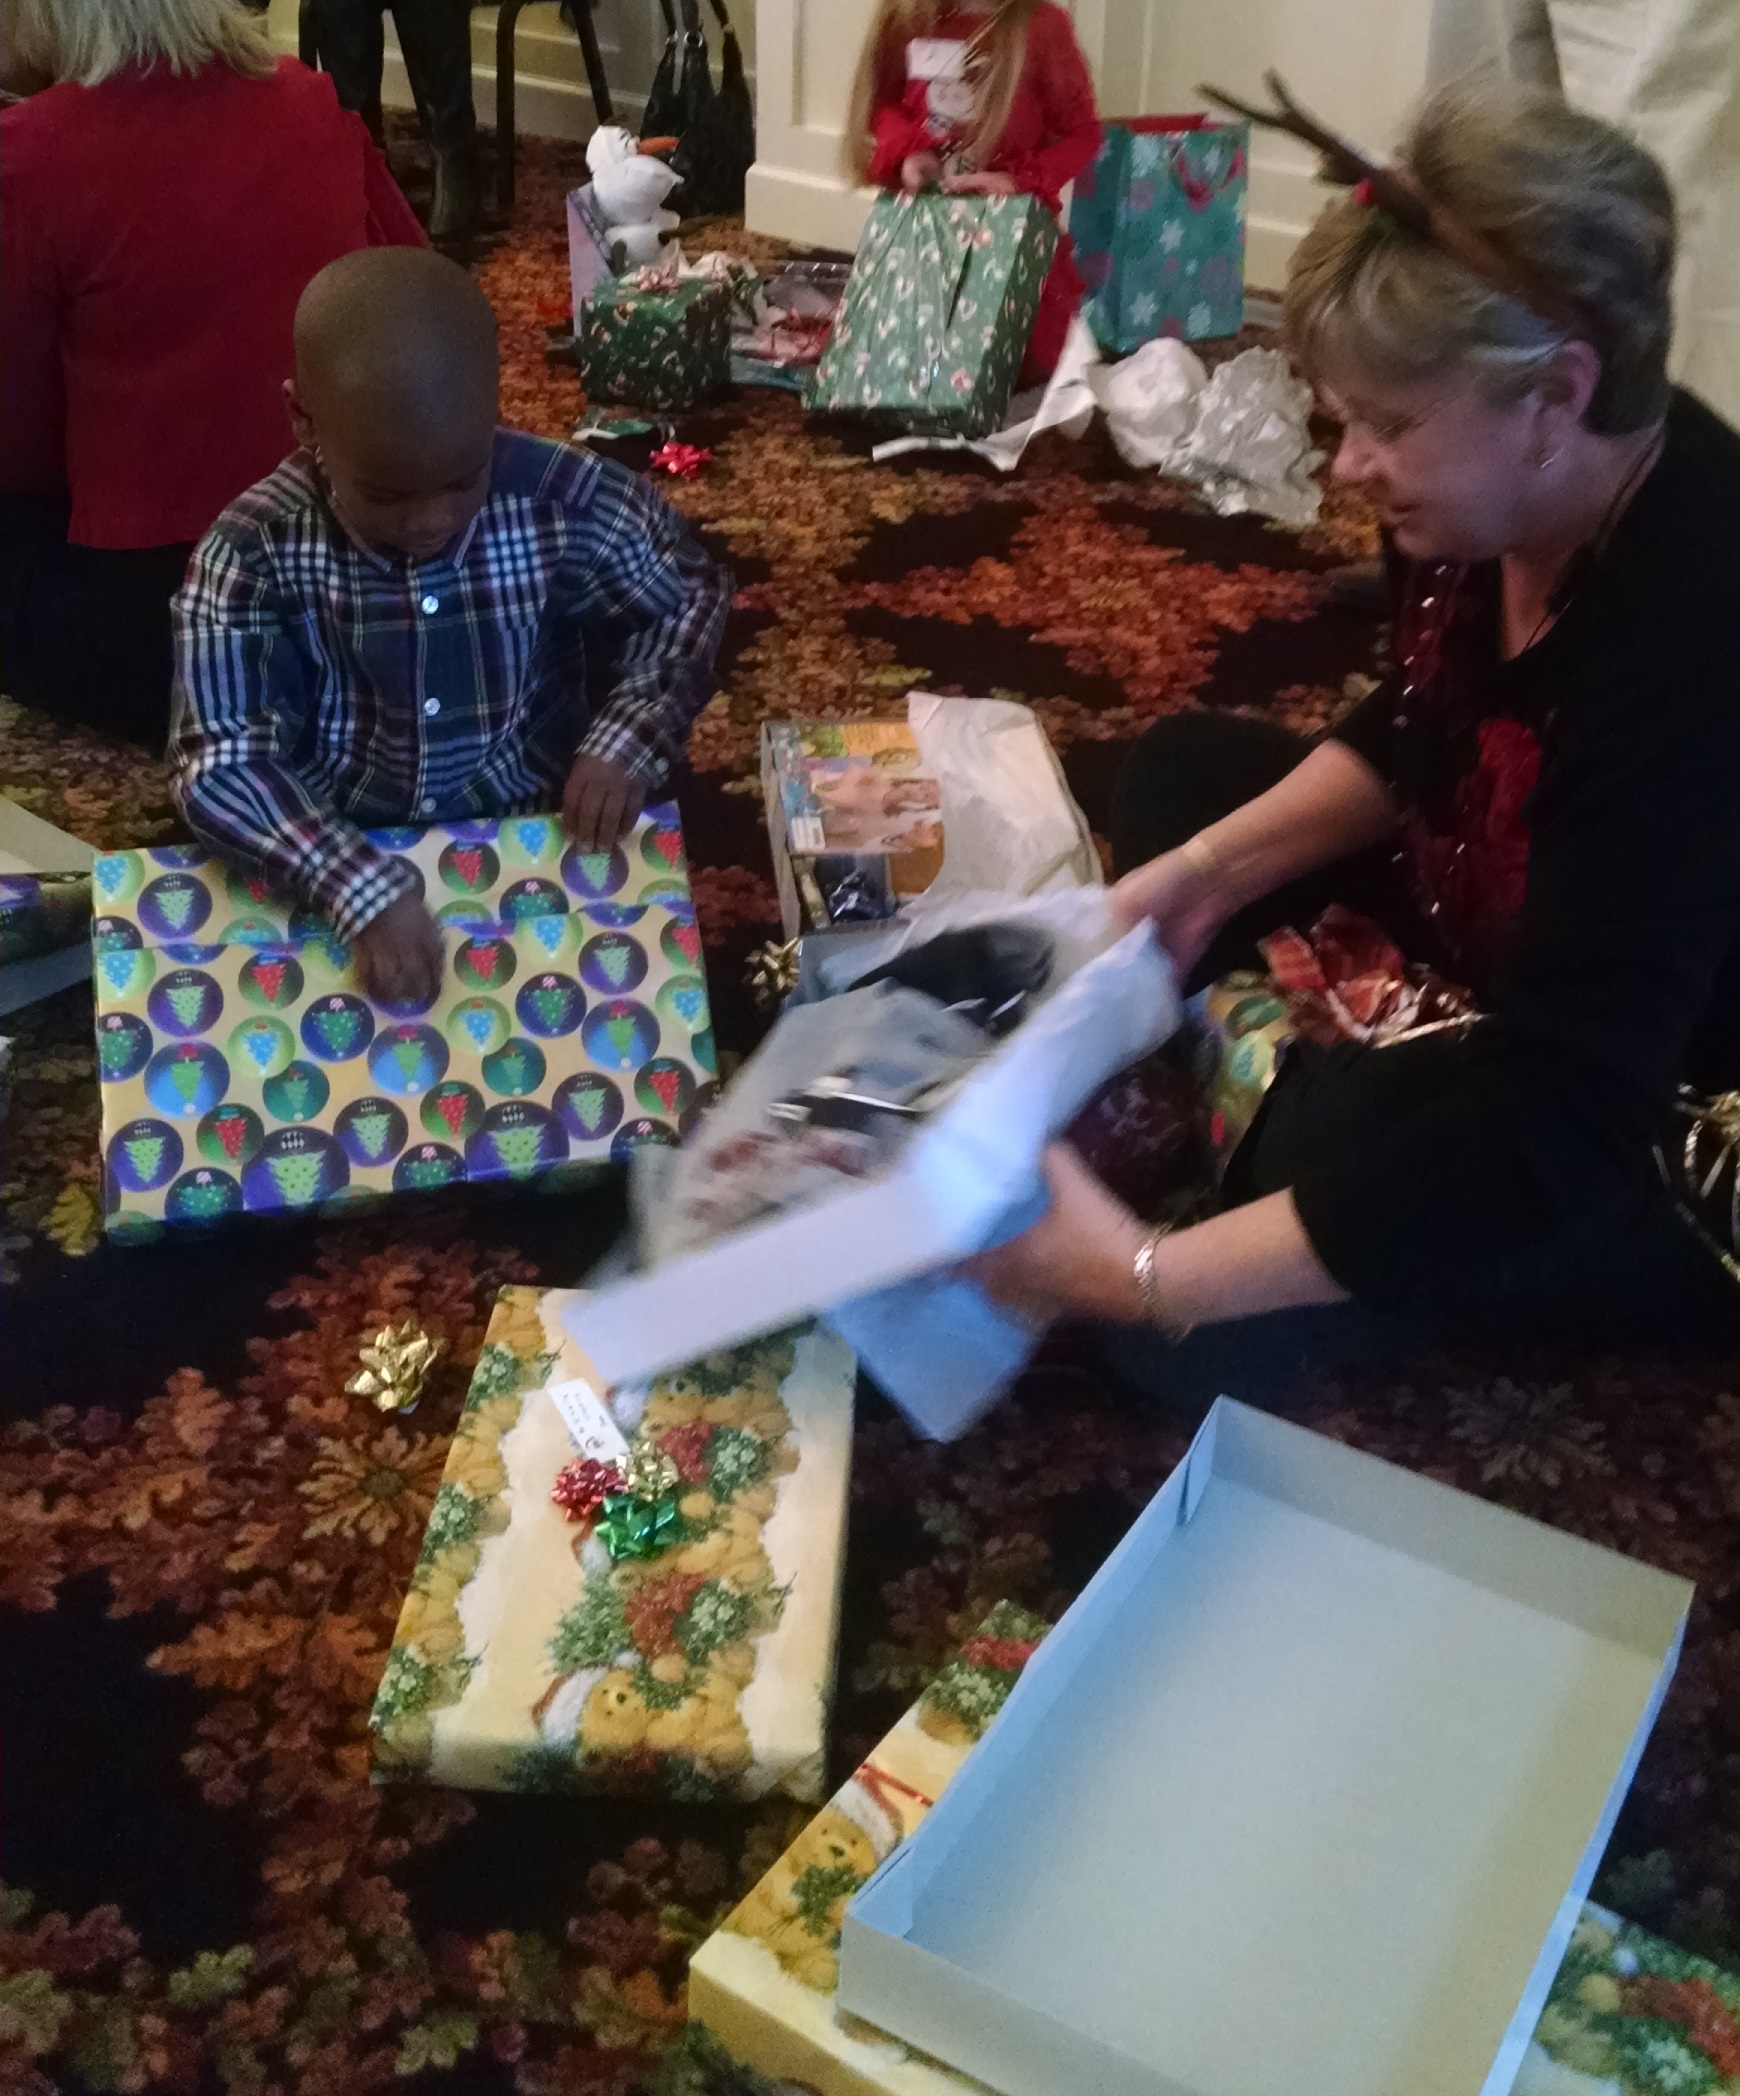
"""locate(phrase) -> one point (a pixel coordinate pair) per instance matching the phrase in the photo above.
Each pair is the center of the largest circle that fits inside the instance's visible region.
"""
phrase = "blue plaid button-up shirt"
(322, 687)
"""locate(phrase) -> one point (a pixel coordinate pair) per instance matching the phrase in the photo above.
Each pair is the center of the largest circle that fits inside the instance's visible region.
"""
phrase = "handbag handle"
(693, 34)
(670, 14)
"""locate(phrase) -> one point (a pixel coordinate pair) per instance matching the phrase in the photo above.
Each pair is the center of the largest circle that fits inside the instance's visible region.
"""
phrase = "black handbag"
(663, 116)
(715, 127)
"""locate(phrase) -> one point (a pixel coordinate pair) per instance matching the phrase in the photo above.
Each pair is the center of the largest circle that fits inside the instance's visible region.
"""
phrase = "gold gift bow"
(1712, 1147)
(395, 1366)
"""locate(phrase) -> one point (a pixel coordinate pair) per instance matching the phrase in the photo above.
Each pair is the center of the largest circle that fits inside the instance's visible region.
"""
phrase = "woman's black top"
(1572, 829)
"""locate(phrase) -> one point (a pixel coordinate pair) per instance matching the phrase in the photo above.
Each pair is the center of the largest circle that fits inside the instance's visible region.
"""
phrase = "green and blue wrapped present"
(938, 310)
(656, 345)
(1158, 223)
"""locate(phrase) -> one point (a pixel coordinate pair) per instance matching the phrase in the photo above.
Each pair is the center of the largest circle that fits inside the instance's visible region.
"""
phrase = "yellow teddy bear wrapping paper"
(762, 1988)
(528, 1657)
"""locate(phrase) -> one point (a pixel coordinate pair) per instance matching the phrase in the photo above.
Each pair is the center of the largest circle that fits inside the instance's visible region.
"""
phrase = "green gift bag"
(938, 310)
(666, 348)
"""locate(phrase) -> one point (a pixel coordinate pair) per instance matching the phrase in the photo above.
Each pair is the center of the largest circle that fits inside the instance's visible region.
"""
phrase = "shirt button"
(431, 603)
(426, 806)
(431, 707)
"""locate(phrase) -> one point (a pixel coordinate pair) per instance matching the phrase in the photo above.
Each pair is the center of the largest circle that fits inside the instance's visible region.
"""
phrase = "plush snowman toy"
(631, 186)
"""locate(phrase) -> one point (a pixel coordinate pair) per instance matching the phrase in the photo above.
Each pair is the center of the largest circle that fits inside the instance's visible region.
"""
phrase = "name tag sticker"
(590, 1427)
(936, 58)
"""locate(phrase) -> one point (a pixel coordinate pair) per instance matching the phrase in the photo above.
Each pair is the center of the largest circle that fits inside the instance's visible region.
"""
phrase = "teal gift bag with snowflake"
(1158, 223)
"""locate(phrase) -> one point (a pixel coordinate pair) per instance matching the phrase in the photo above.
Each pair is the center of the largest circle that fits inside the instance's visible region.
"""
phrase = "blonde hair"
(88, 41)
(1005, 48)
(1572, 204)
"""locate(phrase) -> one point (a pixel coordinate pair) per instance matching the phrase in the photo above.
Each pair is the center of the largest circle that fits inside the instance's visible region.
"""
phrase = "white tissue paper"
(1241, 437)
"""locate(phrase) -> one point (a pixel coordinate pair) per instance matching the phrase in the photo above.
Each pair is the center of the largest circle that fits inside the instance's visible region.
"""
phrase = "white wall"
(1359, 62)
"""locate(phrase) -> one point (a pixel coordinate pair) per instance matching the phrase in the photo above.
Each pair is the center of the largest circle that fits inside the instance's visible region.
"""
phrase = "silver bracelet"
(1148, 1287)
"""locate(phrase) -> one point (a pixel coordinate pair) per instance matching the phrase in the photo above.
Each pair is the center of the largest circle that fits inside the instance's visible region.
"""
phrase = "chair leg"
(602, 106)
(506, 18)
(307, 36)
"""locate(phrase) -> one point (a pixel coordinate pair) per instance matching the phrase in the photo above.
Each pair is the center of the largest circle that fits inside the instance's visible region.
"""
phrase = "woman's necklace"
(1581, 564)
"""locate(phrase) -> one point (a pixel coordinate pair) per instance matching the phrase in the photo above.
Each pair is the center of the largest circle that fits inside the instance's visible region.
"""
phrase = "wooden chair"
(507, 16)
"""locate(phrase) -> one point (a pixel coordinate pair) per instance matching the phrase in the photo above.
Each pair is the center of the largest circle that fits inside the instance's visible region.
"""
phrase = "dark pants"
(435, 37)
(84, 632)
(1639, 1279)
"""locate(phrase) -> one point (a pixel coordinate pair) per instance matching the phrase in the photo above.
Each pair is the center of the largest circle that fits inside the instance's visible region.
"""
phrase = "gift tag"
(936, 58)
(586, 1416)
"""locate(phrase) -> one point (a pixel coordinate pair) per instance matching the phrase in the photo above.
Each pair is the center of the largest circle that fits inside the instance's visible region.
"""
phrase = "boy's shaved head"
(398, 340)
(397, 384)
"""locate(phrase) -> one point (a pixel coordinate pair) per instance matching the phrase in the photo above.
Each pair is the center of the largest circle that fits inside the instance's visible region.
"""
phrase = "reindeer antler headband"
(1394, 191)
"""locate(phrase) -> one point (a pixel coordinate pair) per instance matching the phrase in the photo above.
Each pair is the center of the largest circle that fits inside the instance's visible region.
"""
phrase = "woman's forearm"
(1328, 807)
(1241, 1264)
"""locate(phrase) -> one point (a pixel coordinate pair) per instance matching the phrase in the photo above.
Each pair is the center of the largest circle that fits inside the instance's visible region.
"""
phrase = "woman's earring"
(1545, 460)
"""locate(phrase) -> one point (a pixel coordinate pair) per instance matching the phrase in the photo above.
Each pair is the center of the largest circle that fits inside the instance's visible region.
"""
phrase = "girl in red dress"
(980, 98)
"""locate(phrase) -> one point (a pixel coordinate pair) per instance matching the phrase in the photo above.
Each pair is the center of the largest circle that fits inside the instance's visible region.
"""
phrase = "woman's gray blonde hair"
(88, 41)
(1575, 205)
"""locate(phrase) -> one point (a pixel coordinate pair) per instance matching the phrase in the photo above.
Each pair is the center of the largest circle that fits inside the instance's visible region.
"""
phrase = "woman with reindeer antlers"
(1541, 802)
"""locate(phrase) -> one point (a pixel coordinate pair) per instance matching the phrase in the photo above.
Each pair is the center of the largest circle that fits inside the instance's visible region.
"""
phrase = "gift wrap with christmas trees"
(666, 350)
(560, 1635)
(242, 1068)
(939, 306)
(761, 1991)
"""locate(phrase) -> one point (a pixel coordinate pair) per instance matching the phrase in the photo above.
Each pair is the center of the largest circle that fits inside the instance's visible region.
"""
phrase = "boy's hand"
(920, 171)
(601, 800)
(979, 185)
(398, 954)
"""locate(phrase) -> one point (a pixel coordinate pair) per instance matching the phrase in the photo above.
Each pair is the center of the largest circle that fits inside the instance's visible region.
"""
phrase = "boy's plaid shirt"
(322, 688)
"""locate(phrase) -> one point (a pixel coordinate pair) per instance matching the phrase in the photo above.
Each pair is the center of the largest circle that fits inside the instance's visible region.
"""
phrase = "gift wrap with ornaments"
(1158, 223)
(661, 350)
(243, 1071)
(541, 1648)
(939, 306)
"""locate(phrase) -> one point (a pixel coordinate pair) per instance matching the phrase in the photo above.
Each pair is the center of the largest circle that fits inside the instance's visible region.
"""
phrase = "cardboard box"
(243, 1070)
(763, 1985)
(982, 770)
(1304, 1794)
(527, 1658)
(940, 1351)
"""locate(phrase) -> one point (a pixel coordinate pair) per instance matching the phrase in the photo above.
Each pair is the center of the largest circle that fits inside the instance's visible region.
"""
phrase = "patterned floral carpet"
(205, 1542)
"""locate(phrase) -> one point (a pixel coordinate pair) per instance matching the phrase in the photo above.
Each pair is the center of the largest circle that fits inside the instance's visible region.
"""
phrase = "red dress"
(157, 233)
(1052, 134)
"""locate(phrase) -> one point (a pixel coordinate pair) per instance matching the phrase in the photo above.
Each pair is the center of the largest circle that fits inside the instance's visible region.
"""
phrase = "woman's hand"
(920, 171)
(1180, 895)
(1079, 1259)
(979, 185)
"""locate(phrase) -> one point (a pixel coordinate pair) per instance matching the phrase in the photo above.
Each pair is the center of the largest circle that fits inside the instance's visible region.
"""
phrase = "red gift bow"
(683, 460)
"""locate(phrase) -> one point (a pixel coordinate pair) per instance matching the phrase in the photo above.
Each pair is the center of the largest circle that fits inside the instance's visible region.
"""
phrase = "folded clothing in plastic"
(875, 1211)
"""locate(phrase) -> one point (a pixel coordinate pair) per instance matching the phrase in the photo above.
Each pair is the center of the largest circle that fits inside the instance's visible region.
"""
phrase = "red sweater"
(1053, 130)
(157, 233)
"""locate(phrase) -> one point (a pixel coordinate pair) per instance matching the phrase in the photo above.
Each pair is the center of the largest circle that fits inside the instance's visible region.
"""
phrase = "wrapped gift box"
(1630, 2015)
(242, 1069)
(528, 1657)
(1627, 2015)
(1158, 223)
(1315, 1719)
(939, 306)
(763, 1986)
(663, 350)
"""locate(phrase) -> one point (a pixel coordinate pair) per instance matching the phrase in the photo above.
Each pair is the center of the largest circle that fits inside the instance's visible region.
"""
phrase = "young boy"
(421, 617)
